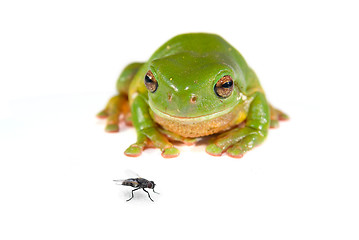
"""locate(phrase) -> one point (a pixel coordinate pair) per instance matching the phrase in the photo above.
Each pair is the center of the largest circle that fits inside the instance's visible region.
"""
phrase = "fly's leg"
(148, 194)
(239, 140)
(132, 194)
(118, 104)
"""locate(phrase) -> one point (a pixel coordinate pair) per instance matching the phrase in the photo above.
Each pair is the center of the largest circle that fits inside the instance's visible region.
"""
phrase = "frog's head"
(189, 86)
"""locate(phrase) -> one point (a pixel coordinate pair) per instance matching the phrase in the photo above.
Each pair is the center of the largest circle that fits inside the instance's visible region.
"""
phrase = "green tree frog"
(194, 85)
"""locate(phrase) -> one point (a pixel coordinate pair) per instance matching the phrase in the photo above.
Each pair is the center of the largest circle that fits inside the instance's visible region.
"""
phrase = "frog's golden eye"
(224, 86)
(151, 82)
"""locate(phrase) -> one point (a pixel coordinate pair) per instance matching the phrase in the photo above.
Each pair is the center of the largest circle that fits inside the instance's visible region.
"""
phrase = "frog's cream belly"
(200, 126)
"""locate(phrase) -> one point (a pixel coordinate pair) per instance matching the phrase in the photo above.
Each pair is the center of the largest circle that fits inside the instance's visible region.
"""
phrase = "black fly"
(138, 183)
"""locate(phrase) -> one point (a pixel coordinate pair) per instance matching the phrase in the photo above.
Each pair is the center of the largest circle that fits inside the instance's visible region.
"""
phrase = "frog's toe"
(128, 120)
(170, 152)
(235, 152)
(133, 151)
(102, 114)
(283, 117)
(112, 128)
(274, 123)
(277, 115)
(214, 150)
(243, 146)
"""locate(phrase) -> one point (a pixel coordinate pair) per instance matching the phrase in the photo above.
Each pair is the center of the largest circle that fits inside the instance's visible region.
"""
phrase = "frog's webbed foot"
(149, 138)
(239, 140)
(236, 142)
(276, 115)
(244, 145)
(116, 106)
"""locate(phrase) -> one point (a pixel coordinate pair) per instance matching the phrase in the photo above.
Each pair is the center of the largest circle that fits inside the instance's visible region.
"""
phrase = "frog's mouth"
(196, 119)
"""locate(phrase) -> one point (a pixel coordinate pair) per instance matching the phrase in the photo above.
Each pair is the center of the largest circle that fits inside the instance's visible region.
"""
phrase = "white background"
(59, 61)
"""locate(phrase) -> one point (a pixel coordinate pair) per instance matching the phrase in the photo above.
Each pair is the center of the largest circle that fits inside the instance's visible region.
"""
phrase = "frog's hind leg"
(112, 111)
(276, 115)
(118, 104)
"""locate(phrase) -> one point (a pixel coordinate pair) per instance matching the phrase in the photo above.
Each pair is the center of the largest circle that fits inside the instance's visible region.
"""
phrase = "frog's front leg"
(148, 134)
(240, 140)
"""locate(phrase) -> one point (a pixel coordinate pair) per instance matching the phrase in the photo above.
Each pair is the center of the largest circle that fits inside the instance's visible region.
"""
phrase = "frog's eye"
(224, 86)
(150, 82)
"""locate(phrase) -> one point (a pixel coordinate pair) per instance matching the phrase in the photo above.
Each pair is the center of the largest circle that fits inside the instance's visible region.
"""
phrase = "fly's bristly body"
(138, 183)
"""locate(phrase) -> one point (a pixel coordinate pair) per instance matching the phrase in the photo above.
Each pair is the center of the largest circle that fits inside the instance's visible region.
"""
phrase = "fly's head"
(151, 185)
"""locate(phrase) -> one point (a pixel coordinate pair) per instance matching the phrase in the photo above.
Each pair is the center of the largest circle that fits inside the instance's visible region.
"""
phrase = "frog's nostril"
(169, 97)
(193, 99)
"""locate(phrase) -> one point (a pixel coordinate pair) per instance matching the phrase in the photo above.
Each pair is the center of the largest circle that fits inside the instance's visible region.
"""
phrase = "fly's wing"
(131, 173)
